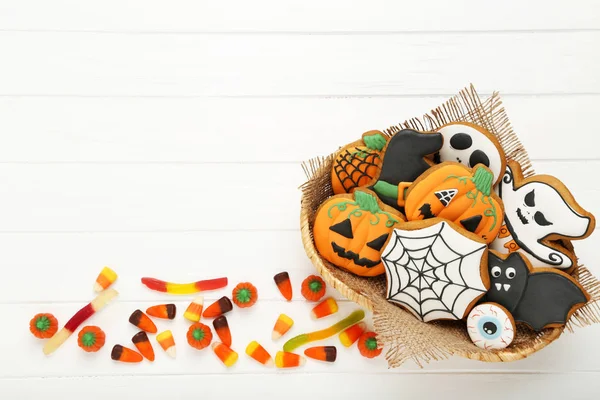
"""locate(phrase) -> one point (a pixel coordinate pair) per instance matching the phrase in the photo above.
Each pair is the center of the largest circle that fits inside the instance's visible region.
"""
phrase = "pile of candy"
(200, 336)
(456, 228)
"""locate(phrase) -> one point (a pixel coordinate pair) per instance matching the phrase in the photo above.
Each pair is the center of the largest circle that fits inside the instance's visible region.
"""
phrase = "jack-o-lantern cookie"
(405, 159)
(351, 229)
(470, 144)
(541, 298)
(357, 164)
(435, 269)
(538, 212)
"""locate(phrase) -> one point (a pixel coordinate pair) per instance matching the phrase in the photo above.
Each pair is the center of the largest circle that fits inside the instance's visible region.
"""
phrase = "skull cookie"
(470, 145)
(539, 211)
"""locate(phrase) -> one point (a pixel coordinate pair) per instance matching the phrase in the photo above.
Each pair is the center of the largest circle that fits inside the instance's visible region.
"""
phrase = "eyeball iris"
(490, 326)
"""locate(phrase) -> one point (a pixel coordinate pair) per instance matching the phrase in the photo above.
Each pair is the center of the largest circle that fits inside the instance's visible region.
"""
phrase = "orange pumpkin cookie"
(455, 192)
(357, 164)
(350, 231)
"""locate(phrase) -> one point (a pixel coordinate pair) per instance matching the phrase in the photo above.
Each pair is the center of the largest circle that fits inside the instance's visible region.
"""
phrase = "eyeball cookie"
(470, 145)
(490, 326)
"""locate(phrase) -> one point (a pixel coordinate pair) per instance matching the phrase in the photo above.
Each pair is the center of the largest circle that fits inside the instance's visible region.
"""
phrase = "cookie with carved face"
(539, 211)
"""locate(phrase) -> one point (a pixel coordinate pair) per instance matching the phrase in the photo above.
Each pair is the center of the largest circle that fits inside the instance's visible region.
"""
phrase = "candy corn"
(257, 352)
(123, 354)
(305, 338)
(164, 311)
(167, 342)
(225, 354)
(222, 328)
(106, 278)
(288, 360)
(194, 310)
(142, 343)
(350, 335)
(282, 280)
(142, 321)
(217, 308)
(80, 316)
(324, 308)
(184, 288)
(322, 353)
(282, 325)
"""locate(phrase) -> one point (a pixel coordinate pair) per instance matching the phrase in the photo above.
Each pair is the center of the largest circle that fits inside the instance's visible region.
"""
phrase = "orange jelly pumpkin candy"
(357, 164)
(350, 231)
(455, 192)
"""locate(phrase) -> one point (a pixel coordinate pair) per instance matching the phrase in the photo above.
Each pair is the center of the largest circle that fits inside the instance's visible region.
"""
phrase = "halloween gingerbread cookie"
(404, 160)
(435, 269)
(357, 164)
(538, 212)
(454, 192)
(470, 144)
(541, 298)
(350, 231)
(491, 326)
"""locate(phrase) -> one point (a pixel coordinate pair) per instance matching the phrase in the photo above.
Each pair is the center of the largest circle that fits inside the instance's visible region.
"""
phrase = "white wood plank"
(297, 385)
(298, 65)
(24, 351)
(202, 130)
(180, 197)
(296, 16)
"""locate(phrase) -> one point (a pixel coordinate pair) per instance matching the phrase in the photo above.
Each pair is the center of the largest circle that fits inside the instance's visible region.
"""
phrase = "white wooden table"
(164, 138)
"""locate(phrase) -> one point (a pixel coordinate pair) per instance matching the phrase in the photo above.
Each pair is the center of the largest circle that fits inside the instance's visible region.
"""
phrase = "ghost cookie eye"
(530, 199)
(540, 219)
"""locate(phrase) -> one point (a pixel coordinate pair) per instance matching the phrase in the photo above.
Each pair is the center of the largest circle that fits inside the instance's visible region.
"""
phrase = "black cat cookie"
(539, 211)
(404, 159)
(541, 298)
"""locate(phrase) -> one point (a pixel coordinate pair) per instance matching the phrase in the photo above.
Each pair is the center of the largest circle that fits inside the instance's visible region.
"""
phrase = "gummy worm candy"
(305, 338)
(184, 288)
(80, 316)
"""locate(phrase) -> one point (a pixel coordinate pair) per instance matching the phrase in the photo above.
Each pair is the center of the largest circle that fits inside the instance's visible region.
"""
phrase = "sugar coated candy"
(313, 288)
(184, 288)
(164, 311)
(288, 360)
(76, 320)
(282, 280)
(325, 308)
(305, 338)
(167, 342)
(222, 329)
(322, 353)
(199, 336)
(91, 338)
(225, 354)
(142, 343)
(244, 295)
(106, 278)
(43, 326)
(350, 335)
(282, 325)
(219, 307)
(257, 352)
(368, 346)
(142, 321)
(194, 310)
(124, 354)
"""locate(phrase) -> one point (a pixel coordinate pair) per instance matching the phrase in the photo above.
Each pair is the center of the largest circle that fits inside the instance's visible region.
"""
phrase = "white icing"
(490, 327)
(480, 142)
(520, 214)
(434, 272)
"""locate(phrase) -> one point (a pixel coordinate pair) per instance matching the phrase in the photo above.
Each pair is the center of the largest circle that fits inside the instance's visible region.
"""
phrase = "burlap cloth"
(403, 335)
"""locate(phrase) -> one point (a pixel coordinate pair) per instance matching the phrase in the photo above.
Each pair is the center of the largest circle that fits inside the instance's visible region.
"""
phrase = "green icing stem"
(371, 343)
(315, 286)
(42, 324)
(375, 141)
(483, 180)
(243, 296)
(88, 339)
(301, 340)
(365, 202)
(198, 334)
(386, 189)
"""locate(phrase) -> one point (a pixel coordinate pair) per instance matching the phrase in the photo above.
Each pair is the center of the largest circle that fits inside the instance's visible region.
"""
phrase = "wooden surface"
(163, 138)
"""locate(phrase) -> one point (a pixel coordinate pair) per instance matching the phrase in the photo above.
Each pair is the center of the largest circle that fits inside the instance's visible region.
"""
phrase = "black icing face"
(529, 211)
(508, 280)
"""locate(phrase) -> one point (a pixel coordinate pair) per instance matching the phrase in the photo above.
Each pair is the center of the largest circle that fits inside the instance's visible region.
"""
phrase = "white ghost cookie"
(539, 211)
(470, 145)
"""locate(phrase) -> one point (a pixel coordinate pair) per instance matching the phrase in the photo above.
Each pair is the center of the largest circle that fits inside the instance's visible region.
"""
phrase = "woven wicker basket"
(403, 335)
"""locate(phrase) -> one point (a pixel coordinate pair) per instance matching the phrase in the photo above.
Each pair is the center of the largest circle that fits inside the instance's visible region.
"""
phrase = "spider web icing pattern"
(352, 168)
(433, 272)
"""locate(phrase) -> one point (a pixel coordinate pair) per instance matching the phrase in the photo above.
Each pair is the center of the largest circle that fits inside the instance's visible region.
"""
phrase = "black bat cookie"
(404, 158)
(540, 298)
